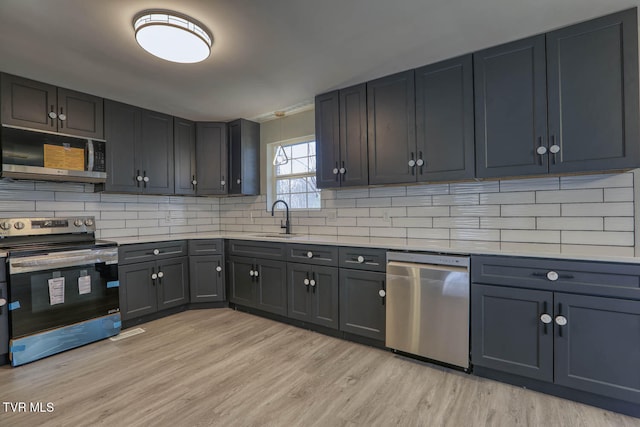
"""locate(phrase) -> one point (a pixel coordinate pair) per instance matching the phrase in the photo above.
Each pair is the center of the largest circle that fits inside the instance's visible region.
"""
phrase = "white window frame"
(271, 171)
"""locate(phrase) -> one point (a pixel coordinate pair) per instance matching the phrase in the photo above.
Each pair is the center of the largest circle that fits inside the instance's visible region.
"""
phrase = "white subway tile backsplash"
(530, 236)
(474, 187)
(474, 234)
(570, 196)
(57, 206)
(598, 209)
(534, 248)
(358, 193)
(515, 223)
(532, 184)
(510, 198)
(387, 191)
(597, 181)
(118, 198)
(6, 194)
(478, 245)
(428, 211)
(530, 210)
(388, 212)
(15, 206)
(411, 201)
(353, 231)
(456, 222)
(479, 210)
(618, 194)
(373, 202)
(423, 222)
(373, 222)
(606, 238)
(353, 212)
(65, 196)
(427, 189)
(456, 199)
(618, 224)
(593, 250)
(388, 232)
(570, 223)
(339, 203)
(430, 233)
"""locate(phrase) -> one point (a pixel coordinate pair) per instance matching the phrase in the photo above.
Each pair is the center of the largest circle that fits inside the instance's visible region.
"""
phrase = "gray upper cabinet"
(211, 158)
(511, 109)
(592, 70)
(140, 150)
(445, 121)
(328, 140)
(341, 138)
(184, 139)
(35, 105)
(244, 159)
(391, 129)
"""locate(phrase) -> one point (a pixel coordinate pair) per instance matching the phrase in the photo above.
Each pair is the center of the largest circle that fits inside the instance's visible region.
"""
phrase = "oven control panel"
(40, 226)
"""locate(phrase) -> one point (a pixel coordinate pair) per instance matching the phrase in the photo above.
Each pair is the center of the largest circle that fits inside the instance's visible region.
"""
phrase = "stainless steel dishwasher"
(427, 306)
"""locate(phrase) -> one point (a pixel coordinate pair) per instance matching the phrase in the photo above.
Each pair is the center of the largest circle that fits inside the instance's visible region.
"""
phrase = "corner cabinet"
(184, 142)
(571, 323)
(211, 158)
(40, 106)
(585, 77)
(244, 157)
(341, 138)
(139, 150)
(206, 270)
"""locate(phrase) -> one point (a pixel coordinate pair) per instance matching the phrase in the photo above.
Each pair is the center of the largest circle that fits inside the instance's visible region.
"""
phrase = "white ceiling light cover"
(172, 36)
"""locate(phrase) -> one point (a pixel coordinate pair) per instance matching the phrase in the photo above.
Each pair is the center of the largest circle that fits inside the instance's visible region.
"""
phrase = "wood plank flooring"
(226, 368)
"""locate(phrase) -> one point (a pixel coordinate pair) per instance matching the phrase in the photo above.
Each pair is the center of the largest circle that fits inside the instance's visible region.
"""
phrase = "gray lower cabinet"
(148, 287)
(571, 323)
(521, 345)
(362, 309)
(313, 294)
(258, 283)
(4, 320)
(206, 278)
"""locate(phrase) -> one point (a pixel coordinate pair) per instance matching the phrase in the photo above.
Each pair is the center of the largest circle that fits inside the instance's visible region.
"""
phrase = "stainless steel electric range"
(62, 285)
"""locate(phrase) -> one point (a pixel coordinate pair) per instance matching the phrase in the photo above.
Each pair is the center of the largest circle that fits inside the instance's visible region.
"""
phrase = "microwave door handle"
(90, 155)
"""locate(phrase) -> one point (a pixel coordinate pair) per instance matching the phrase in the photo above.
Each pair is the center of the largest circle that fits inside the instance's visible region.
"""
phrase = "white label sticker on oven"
(56, 291)
(84, 285)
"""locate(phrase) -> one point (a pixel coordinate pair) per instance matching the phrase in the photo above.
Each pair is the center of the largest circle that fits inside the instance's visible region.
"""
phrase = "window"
(293, 178)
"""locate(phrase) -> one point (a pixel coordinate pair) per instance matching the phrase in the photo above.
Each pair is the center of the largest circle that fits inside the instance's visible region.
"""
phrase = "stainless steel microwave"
(48, 156)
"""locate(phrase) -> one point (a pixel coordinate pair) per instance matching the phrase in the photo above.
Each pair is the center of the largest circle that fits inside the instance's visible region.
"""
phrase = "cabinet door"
(83, 113)
(391, 109)
(137, 290)
(211, 158)
(354, 163)
(206, 278)
(507, 331)
(299, 292)
(511, 109)
(593, 94)
(244, 160)
(173, 282)
(157, 147)
(328, 140)
(4, 320)
(362, 310)
(444, 120)
(242, 282)
(184, 140)
(27, 103)
(325, 310)
(599, 347)
(271, 293)
(122, 131)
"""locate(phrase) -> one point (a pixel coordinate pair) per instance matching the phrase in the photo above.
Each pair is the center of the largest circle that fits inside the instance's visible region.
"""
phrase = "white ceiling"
(268, 54)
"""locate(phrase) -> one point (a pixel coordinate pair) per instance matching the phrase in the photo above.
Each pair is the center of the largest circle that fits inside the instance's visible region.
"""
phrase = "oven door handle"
(55, 260)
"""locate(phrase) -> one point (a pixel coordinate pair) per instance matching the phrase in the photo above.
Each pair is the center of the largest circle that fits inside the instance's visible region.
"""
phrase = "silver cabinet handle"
(561, 320)
(52, 115)
(419, 162)
(541, 150)
(554, 149)
(160, 274)
(545, 318)
(360, 259)
(154, 276)
(194, 182)
(62, 117)
(156, 252)
(3, 302)
(251, 273)
(343, 171)
(218, 269)
(306, 282)
(139, 178)
(309, 254)
(239, 181)
(255, 273)
(145, 179)
(222, 182)
(312, 282)
(552, 275)
(335, 171)
(412, 163)
(382, 293)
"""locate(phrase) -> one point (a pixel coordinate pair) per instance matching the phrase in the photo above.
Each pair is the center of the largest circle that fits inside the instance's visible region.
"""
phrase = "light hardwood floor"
(226, 368)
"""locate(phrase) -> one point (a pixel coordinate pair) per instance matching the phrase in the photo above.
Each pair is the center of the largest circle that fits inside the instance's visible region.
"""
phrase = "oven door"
(51, 290)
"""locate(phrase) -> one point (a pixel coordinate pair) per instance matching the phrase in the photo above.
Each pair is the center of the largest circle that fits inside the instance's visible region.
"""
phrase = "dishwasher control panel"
(435, 259)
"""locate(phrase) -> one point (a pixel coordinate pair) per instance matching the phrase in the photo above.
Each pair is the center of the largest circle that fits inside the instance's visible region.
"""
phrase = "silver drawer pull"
(312, 282)
(251, 273)
(552, 275)
(561, 320)
(160, 274)
(156, 252)
(382, 293)
(309, 254)
(306, 282)
(154, 276)
(360, 259)
(218, 269)
(546, 319)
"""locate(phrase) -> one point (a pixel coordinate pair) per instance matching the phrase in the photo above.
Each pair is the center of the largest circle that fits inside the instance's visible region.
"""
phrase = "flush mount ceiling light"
(172, 36)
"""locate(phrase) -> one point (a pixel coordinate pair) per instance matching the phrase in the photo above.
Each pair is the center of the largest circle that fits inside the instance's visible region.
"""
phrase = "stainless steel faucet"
(287, 223)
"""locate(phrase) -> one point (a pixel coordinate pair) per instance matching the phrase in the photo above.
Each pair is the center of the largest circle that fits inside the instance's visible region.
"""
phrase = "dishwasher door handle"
(427, 266)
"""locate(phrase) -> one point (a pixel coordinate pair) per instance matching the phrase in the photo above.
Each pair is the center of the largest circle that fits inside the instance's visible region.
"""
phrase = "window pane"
(282, 186)
(284, 169)
(299, 185)
(299, 150)
(284, 197)
(312, 148)
(299, 166)
(313, 200)
(312, 164)
(298, 201)
(312, 184)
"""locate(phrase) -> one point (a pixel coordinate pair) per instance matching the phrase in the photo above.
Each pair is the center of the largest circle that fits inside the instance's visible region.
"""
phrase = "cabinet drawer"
(590, 277)
(363, 258)
(129, 254)
(313, 254)
(206, 247)
(250, 248)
